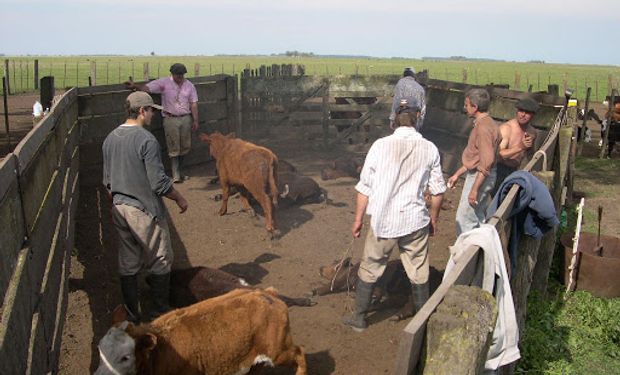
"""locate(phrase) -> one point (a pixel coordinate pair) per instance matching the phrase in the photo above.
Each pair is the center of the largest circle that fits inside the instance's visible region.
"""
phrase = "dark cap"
(406, 106)
(527, 105)
(178, 68)
(139, 99)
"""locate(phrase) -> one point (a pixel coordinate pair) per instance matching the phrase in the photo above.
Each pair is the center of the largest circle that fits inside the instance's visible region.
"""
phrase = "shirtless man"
(518, 136)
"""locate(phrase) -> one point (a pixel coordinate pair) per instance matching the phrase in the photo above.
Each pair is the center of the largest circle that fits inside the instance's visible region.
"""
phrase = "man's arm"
(137, 86)
(473, 193)
(455, 177)
(360, 209)
(434, 210)
(505, 150)
(177, 198)
(194, 108)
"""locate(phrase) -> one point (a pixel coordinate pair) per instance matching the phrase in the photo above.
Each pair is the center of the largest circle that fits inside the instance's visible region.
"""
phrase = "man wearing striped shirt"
(397, 171)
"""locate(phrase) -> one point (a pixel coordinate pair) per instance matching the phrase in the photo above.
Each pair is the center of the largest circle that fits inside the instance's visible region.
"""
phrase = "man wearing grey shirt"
(134, 176)
(409, 90)
(397, 171)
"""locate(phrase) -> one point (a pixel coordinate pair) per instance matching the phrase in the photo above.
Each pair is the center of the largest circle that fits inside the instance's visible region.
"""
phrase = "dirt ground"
(312, 235)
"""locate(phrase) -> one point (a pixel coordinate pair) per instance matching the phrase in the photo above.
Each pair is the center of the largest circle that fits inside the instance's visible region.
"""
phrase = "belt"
(168, 114)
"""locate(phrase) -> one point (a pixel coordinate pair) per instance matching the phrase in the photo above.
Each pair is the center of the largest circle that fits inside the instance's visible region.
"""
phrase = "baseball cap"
(527, 105)
(178, 68)
(140, 99)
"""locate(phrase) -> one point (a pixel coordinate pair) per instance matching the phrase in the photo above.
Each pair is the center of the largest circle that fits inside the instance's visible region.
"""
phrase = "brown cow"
(250, 167)
(346, 166)
(394, 283)
(191, 285)
(224, 335)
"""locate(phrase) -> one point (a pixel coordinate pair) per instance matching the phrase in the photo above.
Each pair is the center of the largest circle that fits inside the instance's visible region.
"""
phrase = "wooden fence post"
(47, 91)
(93, 73)
(146, 71)
(36, 74)
(517, 81)
(464, 75)
(197, 70)
(581, 139)
(5, 93)
(6, 74)
(325, 106)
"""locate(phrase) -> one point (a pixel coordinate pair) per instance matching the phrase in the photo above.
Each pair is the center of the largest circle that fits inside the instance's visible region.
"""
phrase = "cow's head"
(216, 141)
(125, 348)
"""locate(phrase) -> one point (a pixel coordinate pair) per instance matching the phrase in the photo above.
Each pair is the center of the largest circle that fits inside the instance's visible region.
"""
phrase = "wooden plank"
(106, 103)
(36, 179)
(61, 310)
(11, 221)
(16, 320)
(37, 349)
(212, 111)
(50, 286)
(413, 335)
(211, 90)
(30, 144)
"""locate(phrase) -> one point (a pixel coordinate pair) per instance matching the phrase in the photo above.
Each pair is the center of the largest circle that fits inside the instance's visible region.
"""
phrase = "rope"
(107, 363)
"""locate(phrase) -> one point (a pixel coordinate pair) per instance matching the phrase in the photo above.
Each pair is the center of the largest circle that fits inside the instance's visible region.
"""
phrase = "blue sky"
(563, 31)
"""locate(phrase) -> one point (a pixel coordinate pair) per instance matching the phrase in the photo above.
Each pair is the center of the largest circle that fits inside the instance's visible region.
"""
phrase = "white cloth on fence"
(504, 348)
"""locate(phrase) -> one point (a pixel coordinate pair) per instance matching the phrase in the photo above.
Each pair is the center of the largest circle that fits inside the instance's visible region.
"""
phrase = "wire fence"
(23, 72)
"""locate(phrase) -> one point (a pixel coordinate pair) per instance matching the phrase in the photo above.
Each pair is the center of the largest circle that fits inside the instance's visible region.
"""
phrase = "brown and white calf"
(224, 335)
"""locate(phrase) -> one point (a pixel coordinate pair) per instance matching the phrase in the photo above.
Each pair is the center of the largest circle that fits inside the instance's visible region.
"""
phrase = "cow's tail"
(273, 183)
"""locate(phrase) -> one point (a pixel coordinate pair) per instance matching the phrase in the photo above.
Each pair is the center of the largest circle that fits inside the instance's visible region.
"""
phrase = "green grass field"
(74, 70)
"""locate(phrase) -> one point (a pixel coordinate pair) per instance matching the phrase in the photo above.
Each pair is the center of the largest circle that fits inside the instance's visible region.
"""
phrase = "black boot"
(160, 294)
(419, 293)
(363, 294)
(129, 289)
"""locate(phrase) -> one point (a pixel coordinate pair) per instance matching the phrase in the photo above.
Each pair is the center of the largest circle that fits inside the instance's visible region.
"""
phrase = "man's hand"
(452, 182)
(356, 229)
(130, 84)
(182, 203)
(434, 227)
(195, 126)
(527, 141)
(472, 198)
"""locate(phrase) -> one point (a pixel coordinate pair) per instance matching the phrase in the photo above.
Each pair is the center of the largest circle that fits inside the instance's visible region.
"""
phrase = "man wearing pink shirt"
(180, 113)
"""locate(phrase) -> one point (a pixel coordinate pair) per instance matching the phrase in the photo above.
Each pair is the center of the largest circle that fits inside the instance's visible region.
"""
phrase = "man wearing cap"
(180, 101)
(478, 163)
(408, 89)
(397, 171)
(134, 177)
(518, 137)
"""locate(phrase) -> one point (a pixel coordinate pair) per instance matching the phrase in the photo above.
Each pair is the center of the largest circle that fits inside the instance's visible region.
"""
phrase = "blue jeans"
(468, 217)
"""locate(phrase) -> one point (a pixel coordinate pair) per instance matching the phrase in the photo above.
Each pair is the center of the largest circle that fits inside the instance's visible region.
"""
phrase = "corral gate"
(354, 110)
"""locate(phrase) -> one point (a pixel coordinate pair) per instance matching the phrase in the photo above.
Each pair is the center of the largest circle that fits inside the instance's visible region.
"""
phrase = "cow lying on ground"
(346, 166)
(251, 168)
(394, 283)
(224, 335)
(191, 285)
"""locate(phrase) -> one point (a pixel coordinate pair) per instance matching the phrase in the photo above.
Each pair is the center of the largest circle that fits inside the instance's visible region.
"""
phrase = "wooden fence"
(38, 202)
(354, 110)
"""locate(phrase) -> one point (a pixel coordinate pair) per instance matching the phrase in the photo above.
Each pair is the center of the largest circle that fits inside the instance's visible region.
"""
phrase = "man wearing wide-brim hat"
(180, 101)
(518, 139)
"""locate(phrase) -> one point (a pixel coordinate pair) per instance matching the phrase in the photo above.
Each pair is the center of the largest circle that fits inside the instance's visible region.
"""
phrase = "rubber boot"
(181, 174)
(129, 289)
(160, 294)
(419, 293)
(363, 294)
(176, 170)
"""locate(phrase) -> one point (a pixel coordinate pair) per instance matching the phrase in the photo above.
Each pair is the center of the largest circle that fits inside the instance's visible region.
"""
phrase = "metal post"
(5, 93)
